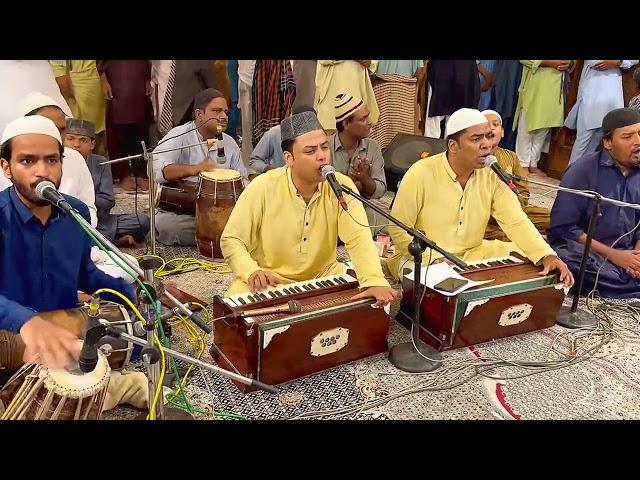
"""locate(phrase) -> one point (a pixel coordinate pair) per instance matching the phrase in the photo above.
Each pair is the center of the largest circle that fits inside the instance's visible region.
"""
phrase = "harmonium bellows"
(329, 330)
(517, 300)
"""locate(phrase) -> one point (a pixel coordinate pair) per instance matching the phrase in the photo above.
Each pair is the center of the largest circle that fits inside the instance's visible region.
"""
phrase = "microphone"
(328, 172)
(46, 190)
(95, 330)
(291, 306)
(492, 162)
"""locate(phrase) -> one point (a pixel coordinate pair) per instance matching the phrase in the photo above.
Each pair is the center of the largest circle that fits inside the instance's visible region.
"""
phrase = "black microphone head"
(490, 160)
(294, 306)
(42, 186)
(326, 170)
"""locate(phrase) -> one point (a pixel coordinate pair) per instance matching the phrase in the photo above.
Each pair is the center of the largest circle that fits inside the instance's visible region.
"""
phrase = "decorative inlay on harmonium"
(325, 329)
(518, 300)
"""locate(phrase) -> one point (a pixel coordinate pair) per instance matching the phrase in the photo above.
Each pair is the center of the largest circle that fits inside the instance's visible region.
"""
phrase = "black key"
(288, 291)
(331, 283)
(241, 300)
(319, 284)
(273, 295)
(325, 283)
(250, 298)
(263, 296)
(278, 293)
(508, 260)
(305, 287)
(311, 287)
(298, 289)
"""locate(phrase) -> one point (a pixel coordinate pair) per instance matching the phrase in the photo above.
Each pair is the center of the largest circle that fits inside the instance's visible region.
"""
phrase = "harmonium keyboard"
(329, 329)
(518, 300)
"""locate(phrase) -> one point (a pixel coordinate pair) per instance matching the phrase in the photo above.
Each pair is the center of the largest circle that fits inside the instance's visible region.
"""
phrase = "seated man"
(614, 173)
(76, 178)
(44, 254)
(356, 155)
(268, 152)
(450, 197)
(286, 224)
(125, 229)
(508, 161)
(209, 111)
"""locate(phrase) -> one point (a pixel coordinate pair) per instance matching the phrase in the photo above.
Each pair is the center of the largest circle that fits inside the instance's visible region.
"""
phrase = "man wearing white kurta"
(600, 91)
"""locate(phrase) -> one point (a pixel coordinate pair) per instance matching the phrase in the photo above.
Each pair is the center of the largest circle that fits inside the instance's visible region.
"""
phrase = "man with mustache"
(209, 110)
(44, 254)
(613, 172)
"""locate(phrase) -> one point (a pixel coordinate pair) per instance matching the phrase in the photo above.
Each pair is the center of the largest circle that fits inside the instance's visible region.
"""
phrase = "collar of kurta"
(24, 212)
(292, 186)
(338, 145)
(448, 169)
(607, 161)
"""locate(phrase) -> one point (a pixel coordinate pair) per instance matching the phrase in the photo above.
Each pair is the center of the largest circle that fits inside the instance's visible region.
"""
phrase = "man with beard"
(613, 172)
(44, 253)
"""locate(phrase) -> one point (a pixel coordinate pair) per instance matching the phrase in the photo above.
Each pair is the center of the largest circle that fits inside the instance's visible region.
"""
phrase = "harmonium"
(517, 300)
(326, 329)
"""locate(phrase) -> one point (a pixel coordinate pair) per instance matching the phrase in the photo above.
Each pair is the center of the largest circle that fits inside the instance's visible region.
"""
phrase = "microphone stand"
(151, 355)
(574, 318)
(406, 357)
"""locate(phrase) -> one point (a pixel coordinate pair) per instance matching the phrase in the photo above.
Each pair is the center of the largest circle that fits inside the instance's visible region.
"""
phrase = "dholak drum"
(39, 393)
(218, 192)
(178, 197)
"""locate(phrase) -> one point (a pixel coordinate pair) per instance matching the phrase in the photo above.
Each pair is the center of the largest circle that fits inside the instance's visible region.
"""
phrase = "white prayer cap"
(31, 124)
(492, 112)
(34, 101)
(464, 118)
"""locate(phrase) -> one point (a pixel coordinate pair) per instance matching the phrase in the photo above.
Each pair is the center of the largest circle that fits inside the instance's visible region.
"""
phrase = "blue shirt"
(268, 151)
(42, 267)
(570, 214)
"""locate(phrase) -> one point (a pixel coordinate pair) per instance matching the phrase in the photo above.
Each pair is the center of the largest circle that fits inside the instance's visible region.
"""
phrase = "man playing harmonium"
(286, 224)
(450, 197)
(209, 111)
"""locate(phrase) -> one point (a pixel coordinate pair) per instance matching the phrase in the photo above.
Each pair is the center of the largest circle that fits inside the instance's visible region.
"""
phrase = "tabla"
(218, 192)
(36, 392)
(178, 197)
(117, 350)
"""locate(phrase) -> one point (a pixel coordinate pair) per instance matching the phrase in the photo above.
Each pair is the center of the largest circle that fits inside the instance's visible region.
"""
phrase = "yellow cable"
(152, 410)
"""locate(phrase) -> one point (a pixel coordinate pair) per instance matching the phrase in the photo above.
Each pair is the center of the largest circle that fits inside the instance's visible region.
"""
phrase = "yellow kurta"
(272, 228)
(431, 199)
(343, 76)
(88, 102)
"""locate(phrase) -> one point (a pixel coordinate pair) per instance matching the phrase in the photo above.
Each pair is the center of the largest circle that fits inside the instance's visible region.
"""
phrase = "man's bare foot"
(125, 241)
(537, 171)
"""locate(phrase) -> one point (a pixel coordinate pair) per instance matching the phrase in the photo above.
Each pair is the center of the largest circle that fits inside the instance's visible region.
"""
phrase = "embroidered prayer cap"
(464, 118)
(76, 126)
(618, 118)
(346, 105)
(31, 124)
(298, 124)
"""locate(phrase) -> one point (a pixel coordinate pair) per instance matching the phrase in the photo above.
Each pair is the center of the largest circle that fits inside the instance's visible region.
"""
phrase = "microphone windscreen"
(490, 160)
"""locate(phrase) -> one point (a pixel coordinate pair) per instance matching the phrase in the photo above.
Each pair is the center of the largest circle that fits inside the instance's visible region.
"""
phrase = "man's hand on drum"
(261, 280)
(206, 165)
(49, 344)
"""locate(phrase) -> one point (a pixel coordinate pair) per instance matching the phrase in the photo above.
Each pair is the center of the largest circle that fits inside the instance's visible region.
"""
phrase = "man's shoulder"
(5, 199)
(229, 141)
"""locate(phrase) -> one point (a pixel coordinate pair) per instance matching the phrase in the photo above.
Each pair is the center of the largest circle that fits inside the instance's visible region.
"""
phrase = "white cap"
(492, 112)
(464, 118)
(34, 101)
(31, 124)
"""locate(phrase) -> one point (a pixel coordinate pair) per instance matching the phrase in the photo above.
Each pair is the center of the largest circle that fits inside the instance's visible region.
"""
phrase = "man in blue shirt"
(614, 173)
(268, 152)
(44, 254)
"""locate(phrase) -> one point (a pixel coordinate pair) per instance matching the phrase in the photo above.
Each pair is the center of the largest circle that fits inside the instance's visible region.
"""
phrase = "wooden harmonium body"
(518, 300)
(329, 330)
